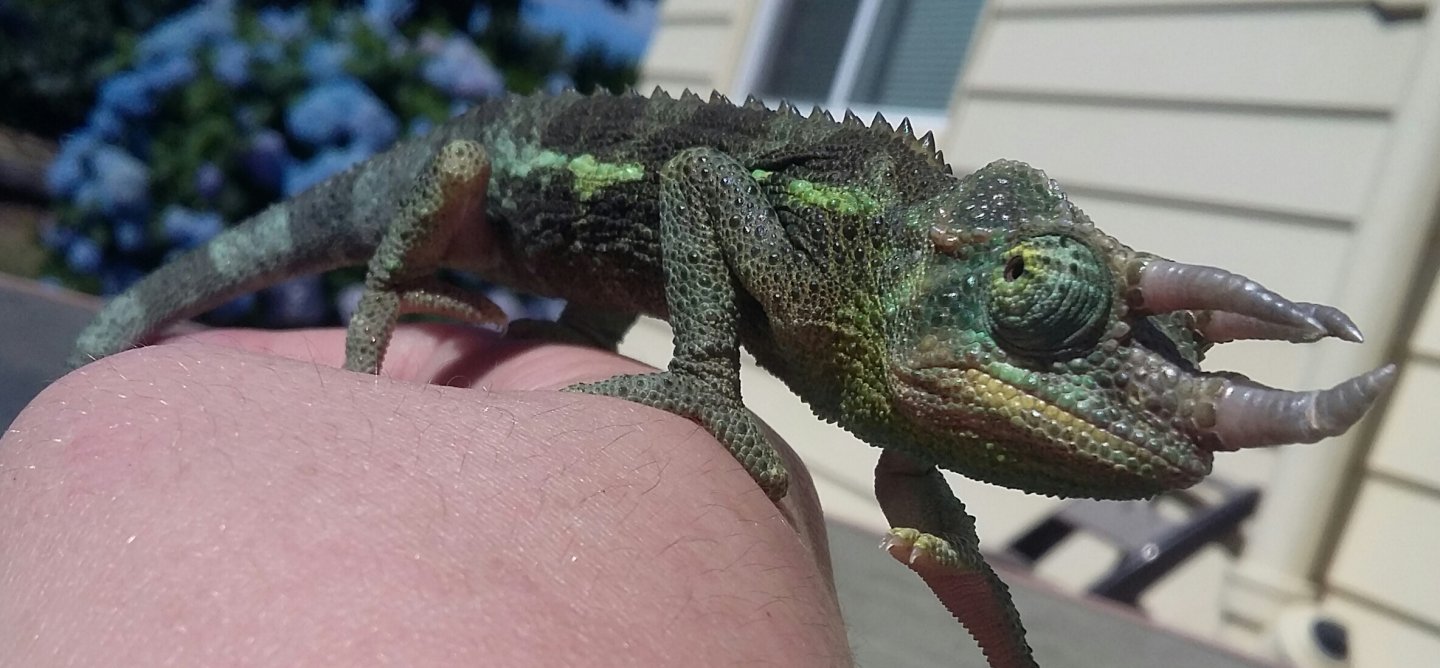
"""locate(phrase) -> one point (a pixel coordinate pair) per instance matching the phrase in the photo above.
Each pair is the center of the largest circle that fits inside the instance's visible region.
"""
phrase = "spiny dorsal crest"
(924, 145)
(928, 141)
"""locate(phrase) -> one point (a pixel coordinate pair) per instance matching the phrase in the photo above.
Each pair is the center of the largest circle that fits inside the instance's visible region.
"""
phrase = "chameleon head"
(1033, 350)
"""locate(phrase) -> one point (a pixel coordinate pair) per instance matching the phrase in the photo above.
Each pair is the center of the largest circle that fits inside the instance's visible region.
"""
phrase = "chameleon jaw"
(982, 423)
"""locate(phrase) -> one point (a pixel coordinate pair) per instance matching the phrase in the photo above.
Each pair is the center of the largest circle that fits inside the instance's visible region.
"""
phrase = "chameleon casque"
(980, 324)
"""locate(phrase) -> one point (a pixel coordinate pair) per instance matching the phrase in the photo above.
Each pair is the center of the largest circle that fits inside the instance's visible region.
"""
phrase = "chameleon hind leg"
(699, 223)
(935, 537)
(400, 278)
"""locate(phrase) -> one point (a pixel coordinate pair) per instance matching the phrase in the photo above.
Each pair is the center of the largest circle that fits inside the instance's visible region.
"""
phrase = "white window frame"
(760, 48)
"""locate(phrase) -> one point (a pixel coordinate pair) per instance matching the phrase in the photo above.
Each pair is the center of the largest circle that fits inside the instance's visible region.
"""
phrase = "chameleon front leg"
(700, 229)
(936, 538)
(400, 279)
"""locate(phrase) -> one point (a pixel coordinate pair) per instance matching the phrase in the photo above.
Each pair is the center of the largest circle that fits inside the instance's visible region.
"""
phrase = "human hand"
(235, 499)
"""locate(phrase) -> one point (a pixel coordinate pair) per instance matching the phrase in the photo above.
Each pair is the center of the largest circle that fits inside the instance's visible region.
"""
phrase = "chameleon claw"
(911, 546)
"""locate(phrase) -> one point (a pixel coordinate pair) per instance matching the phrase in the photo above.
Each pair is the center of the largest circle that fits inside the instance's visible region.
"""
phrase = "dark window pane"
(807, 49)
(915, 52)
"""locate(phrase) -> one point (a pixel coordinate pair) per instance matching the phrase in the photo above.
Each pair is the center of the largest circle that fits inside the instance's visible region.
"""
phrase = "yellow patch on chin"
(1015, 406)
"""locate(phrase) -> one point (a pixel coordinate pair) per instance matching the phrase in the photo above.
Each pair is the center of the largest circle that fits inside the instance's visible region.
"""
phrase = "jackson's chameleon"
(980, 324)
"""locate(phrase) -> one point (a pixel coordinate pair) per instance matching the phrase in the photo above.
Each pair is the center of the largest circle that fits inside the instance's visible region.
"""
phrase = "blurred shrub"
(216, 111)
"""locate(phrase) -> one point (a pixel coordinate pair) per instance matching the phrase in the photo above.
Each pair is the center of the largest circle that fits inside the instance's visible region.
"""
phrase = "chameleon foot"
(920, 551)
(728, 421)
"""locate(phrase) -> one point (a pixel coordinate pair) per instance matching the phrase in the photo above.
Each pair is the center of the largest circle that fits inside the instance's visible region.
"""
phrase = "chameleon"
(977, 323)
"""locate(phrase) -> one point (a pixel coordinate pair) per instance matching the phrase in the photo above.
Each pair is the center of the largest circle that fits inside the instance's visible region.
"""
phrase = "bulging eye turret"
(1049, 297)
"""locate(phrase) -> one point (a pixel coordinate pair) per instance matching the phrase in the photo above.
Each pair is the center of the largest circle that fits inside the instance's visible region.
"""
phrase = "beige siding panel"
(1426, 339)
(1303, 165)
(692, 52)
(1380, 640)
(1244, 244)
(1151, 5)
(675, 11)
(675, 83)
(1387, 554)
(1336, 58)
(1408, 446)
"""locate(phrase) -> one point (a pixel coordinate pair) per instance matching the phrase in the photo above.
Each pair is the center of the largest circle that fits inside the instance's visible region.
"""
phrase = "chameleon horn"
(1161, 286)
(1248, 415)
(1222, 326)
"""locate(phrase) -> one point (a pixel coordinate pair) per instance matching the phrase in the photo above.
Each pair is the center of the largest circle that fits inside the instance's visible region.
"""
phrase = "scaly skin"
(980, 324)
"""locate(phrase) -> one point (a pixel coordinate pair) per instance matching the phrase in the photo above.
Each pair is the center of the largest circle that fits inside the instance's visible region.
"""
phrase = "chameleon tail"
(321, 229)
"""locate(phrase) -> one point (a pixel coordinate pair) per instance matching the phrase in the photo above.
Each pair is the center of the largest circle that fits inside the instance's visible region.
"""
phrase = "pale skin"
(235, 499)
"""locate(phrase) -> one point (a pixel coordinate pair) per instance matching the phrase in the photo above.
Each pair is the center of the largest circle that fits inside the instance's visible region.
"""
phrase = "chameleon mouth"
(971, 402)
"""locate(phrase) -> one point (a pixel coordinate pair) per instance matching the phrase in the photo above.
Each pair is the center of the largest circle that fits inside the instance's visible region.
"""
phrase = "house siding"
(1262, 136)
(1382, 580)
(1293, 140)
(698, 44)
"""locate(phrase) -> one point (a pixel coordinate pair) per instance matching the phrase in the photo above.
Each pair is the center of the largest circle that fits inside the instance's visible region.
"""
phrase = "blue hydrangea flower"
(55, 237)
(269, 53)
(326, 60)
(298, 302)
(507, 301)
(128, 93)
(68, 169)
(373, 125)
(558, 83)
(83, 256)
(122, 181)
(347, 301)
(544, 308)
(116, 277)
(106, 124)
(184, 33)
(458, 67)
(129, 235)
(300, 176)
(336, 123)
(233, 310)
(479, 19)
(283, 25)
(232, 63)
(166, 73)
(209, 179)
(265, 160)
(383, 16)
(87, 196)
(321, 114)
(187, 228)
(342, 110)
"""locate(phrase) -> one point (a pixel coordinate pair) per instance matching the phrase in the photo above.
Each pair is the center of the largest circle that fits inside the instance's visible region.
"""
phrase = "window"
(903, 55)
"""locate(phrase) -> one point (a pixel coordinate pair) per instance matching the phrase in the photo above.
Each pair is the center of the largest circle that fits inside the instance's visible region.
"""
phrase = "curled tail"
(320, 229)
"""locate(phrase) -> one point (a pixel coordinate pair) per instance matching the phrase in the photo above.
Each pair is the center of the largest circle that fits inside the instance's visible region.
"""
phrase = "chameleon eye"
(1049, 296)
